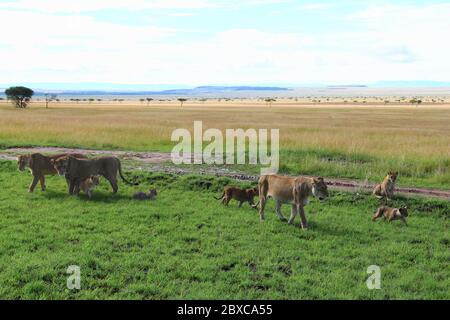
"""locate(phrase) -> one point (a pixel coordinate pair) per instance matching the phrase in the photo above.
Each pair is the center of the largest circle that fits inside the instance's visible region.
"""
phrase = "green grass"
(430, 173)
(186, 245)
(356, 141)
(426, 173)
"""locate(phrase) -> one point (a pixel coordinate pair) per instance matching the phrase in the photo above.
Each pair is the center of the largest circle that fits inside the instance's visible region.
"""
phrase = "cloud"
(316, 6)
(181, 14)
(71, 6)
(379, 43)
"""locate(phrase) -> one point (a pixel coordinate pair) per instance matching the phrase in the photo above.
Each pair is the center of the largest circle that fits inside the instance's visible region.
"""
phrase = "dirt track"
(155, 161)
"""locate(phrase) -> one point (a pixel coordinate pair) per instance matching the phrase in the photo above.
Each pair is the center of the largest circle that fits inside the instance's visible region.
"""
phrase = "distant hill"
(410, 84)
(184, 91)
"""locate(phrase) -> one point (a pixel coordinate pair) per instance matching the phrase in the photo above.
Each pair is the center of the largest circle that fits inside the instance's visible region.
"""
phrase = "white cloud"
(316, 6)
(70, 6)
(389, 43)
(181, 14)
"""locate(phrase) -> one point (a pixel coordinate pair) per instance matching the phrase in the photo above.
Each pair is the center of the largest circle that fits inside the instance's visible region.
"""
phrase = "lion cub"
(391, 214)
(150, 195)
(241, 195)
(386, 188)
(88, 185)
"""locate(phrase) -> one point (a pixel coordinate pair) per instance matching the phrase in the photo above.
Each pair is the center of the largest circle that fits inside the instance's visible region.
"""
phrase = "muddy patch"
(160, 162)
(144, 157)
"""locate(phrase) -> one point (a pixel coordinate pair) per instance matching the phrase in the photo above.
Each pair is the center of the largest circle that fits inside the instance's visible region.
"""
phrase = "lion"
(386, 188)
(293, 190)
(77, 170)
(150, 195)
(241, 195)
(40, 166)
(88, 185)
(391, 214)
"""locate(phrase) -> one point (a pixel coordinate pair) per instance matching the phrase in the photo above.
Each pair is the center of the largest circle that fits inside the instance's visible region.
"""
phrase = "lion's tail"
(221, 197)
(123, 178)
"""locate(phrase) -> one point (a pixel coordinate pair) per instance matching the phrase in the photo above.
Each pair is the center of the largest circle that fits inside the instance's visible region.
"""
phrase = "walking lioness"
(77, 170)
(40, 166)
(293, 190)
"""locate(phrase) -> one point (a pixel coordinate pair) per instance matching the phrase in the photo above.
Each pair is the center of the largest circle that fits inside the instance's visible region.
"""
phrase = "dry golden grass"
(403, 134)
(405, 131)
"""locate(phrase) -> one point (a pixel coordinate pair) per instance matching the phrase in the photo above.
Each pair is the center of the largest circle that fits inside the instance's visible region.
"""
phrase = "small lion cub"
(386, 188)
(150, 195)
(88, 185)
(391, 214)
(238, 194)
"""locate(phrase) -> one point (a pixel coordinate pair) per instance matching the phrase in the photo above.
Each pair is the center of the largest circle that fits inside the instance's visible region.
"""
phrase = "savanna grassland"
(186, 245)
(360, 141)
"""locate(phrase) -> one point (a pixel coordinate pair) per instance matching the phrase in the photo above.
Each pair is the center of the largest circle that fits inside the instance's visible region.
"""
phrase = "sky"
(223, 42)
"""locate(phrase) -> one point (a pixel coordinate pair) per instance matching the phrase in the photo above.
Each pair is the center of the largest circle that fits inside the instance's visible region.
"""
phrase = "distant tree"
(269, 101)
(91, 100)
(415, 101)
(141, 100)
(149, 100)
(49, 97)
(99, 100)
(182, 100)
(386, 101)
(20, 96)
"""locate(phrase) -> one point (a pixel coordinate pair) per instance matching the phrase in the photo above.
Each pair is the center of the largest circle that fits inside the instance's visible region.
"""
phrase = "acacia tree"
(20, 96)
(48, 98)
(415, 101)
(182, 100)
(148, 100)
(269, 101)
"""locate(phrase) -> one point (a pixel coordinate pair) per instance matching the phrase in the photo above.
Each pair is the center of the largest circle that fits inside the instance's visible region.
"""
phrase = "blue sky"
(197, 42)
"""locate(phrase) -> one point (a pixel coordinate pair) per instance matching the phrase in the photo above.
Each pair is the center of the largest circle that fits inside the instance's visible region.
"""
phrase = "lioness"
(386, 188)
(40, 166)
(77, 170)
(293, 190)
(88, 185)
(391, 214)
(241, 195)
